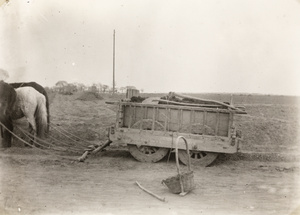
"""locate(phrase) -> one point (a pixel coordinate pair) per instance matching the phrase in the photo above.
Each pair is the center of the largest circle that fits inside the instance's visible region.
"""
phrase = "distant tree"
(93, 88)
(69, 89)
(110, 90)
(98, 86)
(79, 86)
(61, 84)
(122, 89)
(66, 88)
(105, 88)
(48, 89)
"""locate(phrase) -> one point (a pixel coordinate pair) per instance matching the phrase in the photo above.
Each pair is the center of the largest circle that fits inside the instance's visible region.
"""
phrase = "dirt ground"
(262, 179)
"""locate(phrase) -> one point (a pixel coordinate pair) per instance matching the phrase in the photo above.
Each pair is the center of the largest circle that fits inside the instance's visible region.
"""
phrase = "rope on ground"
(33, 138)
(93, 149)
(31, 145)
(68, 134)
(67, 144)
(37, 140)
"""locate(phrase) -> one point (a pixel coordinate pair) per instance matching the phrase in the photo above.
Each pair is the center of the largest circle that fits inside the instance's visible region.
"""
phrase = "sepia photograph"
(167, 107)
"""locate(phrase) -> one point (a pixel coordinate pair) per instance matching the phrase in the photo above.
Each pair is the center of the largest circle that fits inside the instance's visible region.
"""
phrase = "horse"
(31, 104)
(40, 89)
(8, 97)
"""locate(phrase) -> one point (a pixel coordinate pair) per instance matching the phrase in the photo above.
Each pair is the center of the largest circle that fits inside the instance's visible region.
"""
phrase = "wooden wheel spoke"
(199, 158)
(201, 155)
(147, 150)
(147, 153)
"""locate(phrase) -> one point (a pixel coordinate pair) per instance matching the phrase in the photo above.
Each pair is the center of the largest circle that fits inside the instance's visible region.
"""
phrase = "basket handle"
(187, 151)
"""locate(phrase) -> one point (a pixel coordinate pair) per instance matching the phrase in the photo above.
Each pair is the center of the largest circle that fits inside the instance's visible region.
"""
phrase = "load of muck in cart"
(150, 128)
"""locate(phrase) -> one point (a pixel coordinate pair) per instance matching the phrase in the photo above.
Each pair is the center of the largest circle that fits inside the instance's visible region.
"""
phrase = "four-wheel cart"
(150, 129)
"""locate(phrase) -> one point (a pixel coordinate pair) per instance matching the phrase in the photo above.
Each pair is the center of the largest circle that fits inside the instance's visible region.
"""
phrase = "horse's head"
(2, 110)
(7, 100)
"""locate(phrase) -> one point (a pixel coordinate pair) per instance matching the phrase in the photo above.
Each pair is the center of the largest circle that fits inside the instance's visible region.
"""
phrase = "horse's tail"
(41, 118)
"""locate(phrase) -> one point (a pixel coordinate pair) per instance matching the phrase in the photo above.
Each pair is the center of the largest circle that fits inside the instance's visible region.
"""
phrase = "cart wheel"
(147, 153)
(198, 158)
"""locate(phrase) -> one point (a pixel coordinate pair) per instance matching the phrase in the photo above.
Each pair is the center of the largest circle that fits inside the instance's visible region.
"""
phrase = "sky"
(232, 46)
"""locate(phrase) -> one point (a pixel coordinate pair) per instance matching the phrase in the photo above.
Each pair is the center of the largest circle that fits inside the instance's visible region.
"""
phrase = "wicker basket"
(182, 183)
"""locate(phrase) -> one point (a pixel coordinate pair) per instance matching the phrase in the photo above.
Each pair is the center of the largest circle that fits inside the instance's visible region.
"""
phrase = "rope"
(55, 128)
(31, 137)
(54, 147)
(68, 145)
(31, 145)
(78, 149)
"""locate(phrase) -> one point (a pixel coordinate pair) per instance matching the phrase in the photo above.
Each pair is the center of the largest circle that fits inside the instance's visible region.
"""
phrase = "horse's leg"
(6, 141)
(31, 131)
(31, 136)
(32, 127)
(1, 130)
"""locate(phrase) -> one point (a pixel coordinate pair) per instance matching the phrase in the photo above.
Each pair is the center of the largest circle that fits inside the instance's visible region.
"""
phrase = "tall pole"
(114, 62)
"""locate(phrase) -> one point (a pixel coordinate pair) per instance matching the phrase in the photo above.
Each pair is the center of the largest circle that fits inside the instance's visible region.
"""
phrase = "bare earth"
(262, 180)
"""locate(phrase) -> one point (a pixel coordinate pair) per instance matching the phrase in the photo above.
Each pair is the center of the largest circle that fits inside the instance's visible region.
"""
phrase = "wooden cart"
(150, 129)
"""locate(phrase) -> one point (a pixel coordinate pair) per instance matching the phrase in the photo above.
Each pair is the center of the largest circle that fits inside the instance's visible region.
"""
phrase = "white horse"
(32, 105)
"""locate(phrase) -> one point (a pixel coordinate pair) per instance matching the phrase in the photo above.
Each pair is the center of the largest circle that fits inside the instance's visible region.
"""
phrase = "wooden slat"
(118, 116)
(166, 119)
(169, 118)
(204, 121)
(179, 118)
(164, 139)
(217, 124)
(192, 119)
(185, 107)
(142, 117)
(130, 117)
(134, 114)
(153, 118)
(188, 104)
(230, 123)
